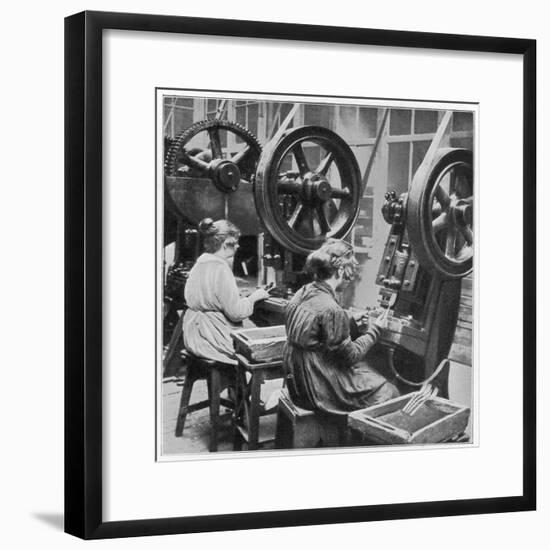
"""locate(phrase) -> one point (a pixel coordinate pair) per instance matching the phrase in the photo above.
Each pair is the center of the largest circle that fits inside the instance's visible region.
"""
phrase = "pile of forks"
(418, 399)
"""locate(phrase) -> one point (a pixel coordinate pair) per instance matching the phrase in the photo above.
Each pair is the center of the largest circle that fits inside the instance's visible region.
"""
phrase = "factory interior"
(394, 181)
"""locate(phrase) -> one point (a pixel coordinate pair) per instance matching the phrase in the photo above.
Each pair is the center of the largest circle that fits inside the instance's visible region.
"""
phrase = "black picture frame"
(83, 273)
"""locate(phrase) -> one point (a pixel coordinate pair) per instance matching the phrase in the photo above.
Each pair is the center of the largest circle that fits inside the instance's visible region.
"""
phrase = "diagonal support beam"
(435, 145)
(274, 119)
(221, 108)
(370, 164)
(286, 122)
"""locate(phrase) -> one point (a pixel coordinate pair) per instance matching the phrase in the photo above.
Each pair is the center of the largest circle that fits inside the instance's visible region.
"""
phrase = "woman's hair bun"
(332, 255)
(206, 226)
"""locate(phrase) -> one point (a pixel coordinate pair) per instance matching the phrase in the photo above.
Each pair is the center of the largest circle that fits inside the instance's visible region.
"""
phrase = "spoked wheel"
(307, 188)
(198, 152)
(440, 214)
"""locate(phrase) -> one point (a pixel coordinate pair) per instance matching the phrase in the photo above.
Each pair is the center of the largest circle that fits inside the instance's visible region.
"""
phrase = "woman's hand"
(381, 322)
(363, 323)
(259, 294)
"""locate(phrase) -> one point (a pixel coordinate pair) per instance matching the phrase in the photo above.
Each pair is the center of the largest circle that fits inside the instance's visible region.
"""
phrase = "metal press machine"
(286, 206)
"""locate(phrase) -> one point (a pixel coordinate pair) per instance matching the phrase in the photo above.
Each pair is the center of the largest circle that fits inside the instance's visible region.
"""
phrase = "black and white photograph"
(315, 273)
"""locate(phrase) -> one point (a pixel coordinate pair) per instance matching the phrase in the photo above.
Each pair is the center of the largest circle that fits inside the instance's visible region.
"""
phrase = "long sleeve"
(334, 325)
(232, 305)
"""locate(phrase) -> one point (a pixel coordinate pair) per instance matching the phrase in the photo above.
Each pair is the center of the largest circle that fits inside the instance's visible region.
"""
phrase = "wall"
(32, 291)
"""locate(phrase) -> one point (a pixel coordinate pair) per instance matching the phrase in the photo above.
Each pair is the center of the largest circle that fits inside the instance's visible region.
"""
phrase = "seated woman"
(212, 296)
(325, 369)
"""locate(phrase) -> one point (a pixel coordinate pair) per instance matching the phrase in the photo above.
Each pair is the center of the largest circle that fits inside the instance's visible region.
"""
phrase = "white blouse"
(215, 309)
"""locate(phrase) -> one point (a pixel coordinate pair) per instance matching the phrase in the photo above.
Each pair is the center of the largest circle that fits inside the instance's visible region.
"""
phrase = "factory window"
(318, 115)
(398, 167)
(356, 124)
(363, 229)
(313, 155)
(420, 148)
(463, 121)
(277, 113)
(178, 115)
(368, 121)
(425, 122)
(347, 122)
(216, 108)
(246, 114)
(406, 151)
(400, 122)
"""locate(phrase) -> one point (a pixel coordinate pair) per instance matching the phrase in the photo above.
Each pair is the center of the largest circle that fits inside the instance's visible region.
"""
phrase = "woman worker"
(212, 296)
(325, 369)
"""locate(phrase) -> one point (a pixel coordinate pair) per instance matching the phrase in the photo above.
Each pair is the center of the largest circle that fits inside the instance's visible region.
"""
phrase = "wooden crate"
(261, 345)
(436, 421)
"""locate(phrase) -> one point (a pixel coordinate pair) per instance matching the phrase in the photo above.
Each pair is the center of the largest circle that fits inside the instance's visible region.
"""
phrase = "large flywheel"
(440, 214)
(307, 188)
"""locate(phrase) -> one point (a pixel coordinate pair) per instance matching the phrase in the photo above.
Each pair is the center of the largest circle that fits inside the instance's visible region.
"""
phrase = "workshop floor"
(197, 426)
(196, 433)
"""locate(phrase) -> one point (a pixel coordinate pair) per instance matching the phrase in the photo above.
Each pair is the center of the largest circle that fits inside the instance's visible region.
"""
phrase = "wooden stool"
(299, 428)
(218, 376)
(249, 409)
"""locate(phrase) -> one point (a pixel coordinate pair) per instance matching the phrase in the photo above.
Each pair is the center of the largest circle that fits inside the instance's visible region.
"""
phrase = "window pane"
(181, 101)
(419, 151)
(466, 142)
(223, 138)
(285, 109)
(347, 122)
(400, 122)
(367, 122)
(166, 112)
(398, 167)
(252, 125)
(425, 122)
(463, 121)
(277, 116)
(362, 154)
(240, 116)
(183, 118)
(211, 105)
(286, 164)
(317, 115)
(313, 156)
(365, 220)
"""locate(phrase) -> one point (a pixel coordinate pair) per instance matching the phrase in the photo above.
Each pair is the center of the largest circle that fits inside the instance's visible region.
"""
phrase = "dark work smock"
(325, 369)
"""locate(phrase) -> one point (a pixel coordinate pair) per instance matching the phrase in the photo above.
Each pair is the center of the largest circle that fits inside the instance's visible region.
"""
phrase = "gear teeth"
(170, 162)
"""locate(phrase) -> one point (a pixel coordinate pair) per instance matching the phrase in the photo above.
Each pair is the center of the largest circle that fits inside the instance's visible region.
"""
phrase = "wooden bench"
(299, 428)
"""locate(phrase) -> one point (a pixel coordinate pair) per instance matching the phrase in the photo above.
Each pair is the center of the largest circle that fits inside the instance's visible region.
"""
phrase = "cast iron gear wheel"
(246, 159)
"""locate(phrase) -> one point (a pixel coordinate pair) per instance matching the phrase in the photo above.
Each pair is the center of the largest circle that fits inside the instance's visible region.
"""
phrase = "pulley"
(440, 214)
(307, 188)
